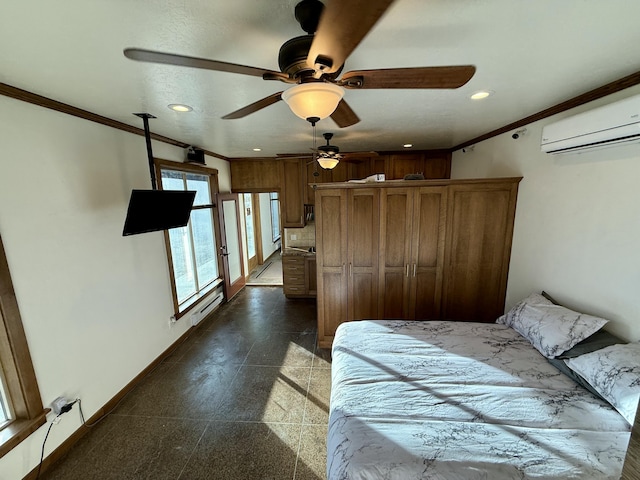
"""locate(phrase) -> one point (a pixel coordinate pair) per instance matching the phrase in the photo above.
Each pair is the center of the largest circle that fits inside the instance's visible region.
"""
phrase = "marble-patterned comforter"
(457, 400)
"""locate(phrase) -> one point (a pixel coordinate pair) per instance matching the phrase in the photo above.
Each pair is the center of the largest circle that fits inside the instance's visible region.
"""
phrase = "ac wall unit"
(612, 124)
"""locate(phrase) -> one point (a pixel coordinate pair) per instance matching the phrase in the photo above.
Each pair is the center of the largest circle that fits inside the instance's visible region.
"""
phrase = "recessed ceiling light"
(481, 94)
(178, 107)
(408, 145)
(257, 149)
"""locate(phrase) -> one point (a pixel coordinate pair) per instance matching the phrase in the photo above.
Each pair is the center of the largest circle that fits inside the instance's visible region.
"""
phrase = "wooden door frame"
(257, 220)
(230, 289)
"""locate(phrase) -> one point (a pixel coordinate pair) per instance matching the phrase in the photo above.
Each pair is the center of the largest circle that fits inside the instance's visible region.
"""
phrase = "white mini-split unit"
(605, 126)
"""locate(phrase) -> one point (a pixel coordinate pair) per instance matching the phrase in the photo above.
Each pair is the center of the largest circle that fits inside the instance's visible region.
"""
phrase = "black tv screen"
(153, 210)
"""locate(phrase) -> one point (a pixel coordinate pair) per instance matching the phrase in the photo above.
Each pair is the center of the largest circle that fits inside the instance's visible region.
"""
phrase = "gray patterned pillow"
(513, 314)
(614, 372)
(550, 328)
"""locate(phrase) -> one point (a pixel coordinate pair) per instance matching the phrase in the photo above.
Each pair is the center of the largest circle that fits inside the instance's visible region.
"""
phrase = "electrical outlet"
(294, 236)
(58, 404)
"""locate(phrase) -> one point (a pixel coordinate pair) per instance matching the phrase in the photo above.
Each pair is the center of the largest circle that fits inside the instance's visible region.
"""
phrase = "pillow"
(535, 298)
(598, 340)
(564, 368)
(549, 297)
(551, 329)
(614, 372)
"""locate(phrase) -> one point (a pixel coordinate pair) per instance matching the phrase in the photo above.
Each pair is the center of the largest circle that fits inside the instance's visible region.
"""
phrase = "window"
(21, 409)
(274, 202)
(193, 248)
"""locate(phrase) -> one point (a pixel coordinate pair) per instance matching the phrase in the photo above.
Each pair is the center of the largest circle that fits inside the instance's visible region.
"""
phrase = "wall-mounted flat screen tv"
(153, 210)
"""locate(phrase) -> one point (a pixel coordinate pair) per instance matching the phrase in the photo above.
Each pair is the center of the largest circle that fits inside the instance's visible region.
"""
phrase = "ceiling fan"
(329, 153)
(313, 63)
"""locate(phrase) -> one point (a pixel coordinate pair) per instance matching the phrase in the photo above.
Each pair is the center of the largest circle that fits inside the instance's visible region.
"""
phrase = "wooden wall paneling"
(255, 175)
(362, 253)
(340, 172)
(437, 164)
(379, 165)
(404, 164)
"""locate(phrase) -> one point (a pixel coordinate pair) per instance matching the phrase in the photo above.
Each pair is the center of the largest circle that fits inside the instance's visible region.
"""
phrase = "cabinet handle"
(407, 270)
(414, 269)
(350, 270)
(343, 269)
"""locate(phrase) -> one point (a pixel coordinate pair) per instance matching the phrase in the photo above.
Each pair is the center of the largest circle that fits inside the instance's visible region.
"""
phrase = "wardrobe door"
(427, 252)
(479, 231)
(331, 262)
(396, 210)
(362, 247)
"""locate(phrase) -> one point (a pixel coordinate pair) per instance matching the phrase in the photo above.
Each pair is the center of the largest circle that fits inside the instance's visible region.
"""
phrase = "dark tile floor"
(246, 396)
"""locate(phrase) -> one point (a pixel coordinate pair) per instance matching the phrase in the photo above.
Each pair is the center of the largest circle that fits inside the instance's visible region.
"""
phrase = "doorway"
(262, 222)
(231, 240)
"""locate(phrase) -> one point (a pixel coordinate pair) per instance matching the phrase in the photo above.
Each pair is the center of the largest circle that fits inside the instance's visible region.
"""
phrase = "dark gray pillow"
(549, 297)
(598, 340)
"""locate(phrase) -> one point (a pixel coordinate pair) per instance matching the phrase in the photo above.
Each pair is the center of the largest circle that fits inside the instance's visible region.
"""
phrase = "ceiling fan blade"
(151, 56)
(343, 25)
(344, 116)
(417, 77)
(360, 154)
(254, 107)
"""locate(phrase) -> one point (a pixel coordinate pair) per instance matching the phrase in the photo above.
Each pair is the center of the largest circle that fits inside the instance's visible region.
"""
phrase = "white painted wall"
(268, 247)
(577, 228)
(95, 305)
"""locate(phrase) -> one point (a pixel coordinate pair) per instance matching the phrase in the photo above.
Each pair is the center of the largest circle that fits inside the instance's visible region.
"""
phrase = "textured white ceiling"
(532, 54)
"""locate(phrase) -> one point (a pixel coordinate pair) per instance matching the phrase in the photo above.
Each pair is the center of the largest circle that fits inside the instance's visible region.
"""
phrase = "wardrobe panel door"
(429, 222)
(331, 260)
(363, 220)
(480, 228)
(396, 209)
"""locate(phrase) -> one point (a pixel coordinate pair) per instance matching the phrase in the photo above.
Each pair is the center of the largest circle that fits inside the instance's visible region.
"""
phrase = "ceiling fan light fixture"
(315, 99)
(328, 162)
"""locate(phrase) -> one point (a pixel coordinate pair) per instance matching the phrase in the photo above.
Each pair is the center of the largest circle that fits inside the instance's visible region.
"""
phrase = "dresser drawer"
(293, 279)
(294, 289)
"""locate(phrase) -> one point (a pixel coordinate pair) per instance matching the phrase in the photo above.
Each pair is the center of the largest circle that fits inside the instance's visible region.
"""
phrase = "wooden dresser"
(415, 250)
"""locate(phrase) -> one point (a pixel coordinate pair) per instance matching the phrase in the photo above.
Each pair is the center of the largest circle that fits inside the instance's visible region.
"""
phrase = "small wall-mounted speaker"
(195, 155)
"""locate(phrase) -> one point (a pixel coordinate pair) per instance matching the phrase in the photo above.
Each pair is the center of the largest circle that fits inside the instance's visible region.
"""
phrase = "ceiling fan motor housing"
(292, 58)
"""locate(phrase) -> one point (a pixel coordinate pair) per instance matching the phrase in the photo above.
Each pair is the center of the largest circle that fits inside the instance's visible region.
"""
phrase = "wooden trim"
(17, 366)
(417, 183)
(106, 409)
(608, 89)
(257, 222)
(185, 167)
(35, 99)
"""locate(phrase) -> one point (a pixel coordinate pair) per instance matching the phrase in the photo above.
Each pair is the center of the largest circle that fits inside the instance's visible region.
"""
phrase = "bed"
(462, 400)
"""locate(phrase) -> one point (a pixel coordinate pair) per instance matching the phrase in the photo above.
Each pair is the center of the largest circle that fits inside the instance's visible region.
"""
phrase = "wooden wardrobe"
(414, 250)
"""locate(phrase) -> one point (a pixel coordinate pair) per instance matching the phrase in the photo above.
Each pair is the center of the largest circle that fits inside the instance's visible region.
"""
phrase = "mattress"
(461, 400)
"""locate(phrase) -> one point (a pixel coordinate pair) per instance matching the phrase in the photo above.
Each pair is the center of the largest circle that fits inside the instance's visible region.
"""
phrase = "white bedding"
(458, 400)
